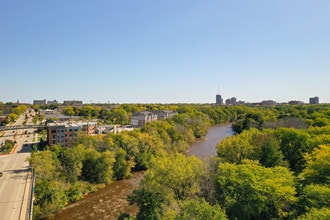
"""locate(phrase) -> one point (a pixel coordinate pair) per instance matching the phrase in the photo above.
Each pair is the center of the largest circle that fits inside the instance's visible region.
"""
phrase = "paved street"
(16, 182)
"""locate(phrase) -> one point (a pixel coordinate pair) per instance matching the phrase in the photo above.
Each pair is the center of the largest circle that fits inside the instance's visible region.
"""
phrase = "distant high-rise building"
(268, 102)
(231, 101)
(295, 102)
(73, 103)
(52, 102)
(39, 102)
(219, 100)
(314, 100)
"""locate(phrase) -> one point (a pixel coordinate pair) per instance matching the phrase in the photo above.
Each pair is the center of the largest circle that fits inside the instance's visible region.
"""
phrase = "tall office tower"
(314, 100)
(219, 100)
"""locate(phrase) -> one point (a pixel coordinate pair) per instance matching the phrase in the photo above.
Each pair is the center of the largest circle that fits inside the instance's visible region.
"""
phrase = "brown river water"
(109, 202)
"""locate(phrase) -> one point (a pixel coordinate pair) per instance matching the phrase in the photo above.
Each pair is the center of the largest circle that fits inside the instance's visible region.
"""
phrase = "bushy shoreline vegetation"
(270, 169)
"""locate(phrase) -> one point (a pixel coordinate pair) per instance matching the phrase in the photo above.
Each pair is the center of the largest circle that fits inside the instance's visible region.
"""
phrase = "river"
(204, 148)
(109, 202)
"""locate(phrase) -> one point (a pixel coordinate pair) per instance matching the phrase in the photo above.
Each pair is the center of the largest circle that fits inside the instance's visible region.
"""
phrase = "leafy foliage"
(250, 178)
(319, 214)
(175, 174)
(294, 144)
(149, 203)
(250, 191)
(318, 166)
(200, 209)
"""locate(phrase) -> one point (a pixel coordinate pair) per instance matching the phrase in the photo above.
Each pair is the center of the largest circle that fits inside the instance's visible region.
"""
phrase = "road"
(16, 182)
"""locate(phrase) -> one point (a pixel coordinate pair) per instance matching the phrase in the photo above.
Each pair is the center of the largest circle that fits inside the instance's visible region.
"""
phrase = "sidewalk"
(25, 209)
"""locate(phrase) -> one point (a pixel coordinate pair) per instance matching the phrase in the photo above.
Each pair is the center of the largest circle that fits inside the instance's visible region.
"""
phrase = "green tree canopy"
(318, 166)
(149, 203)
(199, 209)
(294, 144)
(175, 175)
(251, 191)
(319, 214)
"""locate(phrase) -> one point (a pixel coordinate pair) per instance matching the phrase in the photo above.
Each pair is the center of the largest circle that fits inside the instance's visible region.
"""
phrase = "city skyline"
(219, 100)
(164, 52)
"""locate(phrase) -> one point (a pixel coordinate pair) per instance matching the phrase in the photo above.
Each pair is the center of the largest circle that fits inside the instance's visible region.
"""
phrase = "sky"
(164, 51)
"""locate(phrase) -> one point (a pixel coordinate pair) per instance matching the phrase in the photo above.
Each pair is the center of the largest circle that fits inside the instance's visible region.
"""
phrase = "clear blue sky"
(161, 51)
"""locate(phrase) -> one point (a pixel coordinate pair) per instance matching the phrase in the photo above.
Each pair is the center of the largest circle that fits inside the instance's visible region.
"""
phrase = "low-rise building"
(138, 119)
(47, 111)
(64, 133)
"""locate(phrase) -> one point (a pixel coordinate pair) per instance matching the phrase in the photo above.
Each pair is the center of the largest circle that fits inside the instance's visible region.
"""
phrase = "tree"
(123, 165)
(199, 209)
(149, 204)
(46, 165)
(50, 197)
(248, 121)
(97, 167)
(318, 166)
(20, 109)
(149, 145)
(175, 174)
(319, 214)
(294, 144)
(251, 191)
(270, 152)
(70, 111)
(8, 146)
(71, 161)
(315, 196)
(118, 116)
(50, 190)
(12, 117)
(234, 149)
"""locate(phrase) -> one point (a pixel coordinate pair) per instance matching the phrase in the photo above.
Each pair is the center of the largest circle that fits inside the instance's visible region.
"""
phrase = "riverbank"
(110, 201)
(107, 203)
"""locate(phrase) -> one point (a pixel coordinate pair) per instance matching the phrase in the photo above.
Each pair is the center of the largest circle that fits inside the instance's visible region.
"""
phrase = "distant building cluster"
(73, 103)
(138, 119)
(55, 102)
(233, 101)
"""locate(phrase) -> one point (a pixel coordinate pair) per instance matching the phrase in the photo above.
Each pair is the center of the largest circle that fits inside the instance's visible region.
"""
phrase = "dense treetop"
(276, 166)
